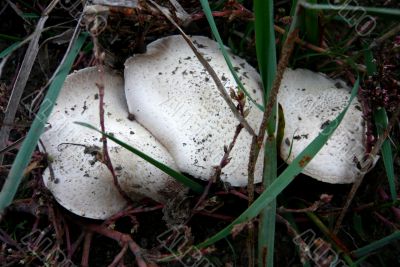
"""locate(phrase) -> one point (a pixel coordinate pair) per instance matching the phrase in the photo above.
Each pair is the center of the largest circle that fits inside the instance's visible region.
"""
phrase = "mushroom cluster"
(182, 121)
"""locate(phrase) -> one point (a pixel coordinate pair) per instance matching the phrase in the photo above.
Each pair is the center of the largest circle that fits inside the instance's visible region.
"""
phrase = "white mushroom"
(76, 178)
(174, 97)
(310, 101)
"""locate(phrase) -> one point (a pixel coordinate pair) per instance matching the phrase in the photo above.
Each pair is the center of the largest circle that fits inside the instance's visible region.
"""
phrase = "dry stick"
(365, 166)
(119, 256)
(30, 37)
(122, 239)
(210, 70)
(86, 249)
(257, 141)
(75, 245)
(385, 36)
(100, 85)
(19, 85)
(22, 78)
(304, 248)
(317, 49)
(301, 42)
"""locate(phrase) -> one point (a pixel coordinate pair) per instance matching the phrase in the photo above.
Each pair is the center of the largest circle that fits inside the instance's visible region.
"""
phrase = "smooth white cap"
(81, 183)
(310, 101)
(175, 98)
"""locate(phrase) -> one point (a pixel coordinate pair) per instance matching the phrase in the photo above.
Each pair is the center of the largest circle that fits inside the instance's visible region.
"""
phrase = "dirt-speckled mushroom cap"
(174, 97)
(310, 101)
(76, 178)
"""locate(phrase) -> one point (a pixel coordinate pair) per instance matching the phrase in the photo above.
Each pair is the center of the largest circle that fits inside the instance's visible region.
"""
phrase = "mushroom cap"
(80, 182)
(310, 101)
(175, 98)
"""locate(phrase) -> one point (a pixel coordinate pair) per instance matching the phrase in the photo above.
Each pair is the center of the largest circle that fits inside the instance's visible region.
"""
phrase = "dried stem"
(123, 239)
(303, 246)
(119, 256)
(100, 85)
(86, 249)
(257, 141)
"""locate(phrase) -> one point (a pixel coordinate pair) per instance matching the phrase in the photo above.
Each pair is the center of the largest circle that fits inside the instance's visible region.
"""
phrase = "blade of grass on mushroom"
(171, 172)
(28, 146)
(266, 56)
(214, 29)
(286, 177)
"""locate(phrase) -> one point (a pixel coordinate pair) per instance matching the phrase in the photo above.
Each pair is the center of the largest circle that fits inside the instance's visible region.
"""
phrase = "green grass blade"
(266, 56)
(361, 252)
(171, 172)
(208, 13)
(10, 49)
(324, 229)
(265, 43)
(374, 11)
(10, 37)
(381, 122)
(266, 227)
(311, 24)
(23, 157)
(369, 60)
(286, 177)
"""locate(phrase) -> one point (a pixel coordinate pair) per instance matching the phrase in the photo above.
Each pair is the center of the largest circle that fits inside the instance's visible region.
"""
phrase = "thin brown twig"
(303, 246)
(86, 249)
(99, 55)
(122, 239)
(119, 256)
(76, 244)
(131, 211)
(257, 141)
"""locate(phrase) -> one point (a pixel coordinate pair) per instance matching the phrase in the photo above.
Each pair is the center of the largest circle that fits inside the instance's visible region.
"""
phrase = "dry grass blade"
(118, 3)
(211, 71)
(20, 83)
